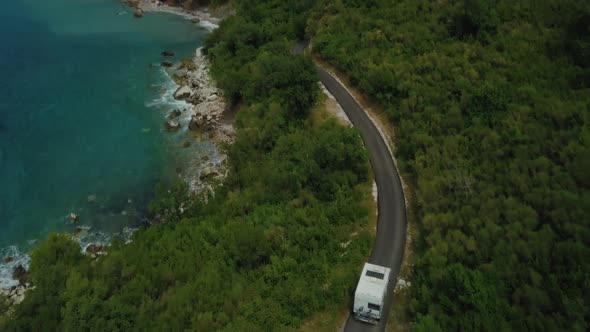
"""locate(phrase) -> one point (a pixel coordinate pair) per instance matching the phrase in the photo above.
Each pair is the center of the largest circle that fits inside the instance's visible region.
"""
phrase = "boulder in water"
(8, 259)
(138, 13)
(166, 64)
(172, 125)
(168, 54)
(174, 114)
(74, 217)
(201, 121)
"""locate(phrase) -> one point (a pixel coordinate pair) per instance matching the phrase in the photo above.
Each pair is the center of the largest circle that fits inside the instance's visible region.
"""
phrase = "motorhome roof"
(373, 280)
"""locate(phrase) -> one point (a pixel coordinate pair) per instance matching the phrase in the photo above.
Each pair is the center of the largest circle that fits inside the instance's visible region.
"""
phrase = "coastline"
(206, 120)
(202, 16)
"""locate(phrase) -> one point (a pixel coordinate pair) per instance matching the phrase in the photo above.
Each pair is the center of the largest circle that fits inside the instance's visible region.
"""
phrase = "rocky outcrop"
(174, 114)
(8, 259)
(183, 92)
(21, 274)
(199, 89)
(16, 294)
(208, 172)
(132, 3)
(95, 249)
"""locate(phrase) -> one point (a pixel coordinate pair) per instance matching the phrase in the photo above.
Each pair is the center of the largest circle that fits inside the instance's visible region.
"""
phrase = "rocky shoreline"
(209, 118)
(201, 16)
(209, 107)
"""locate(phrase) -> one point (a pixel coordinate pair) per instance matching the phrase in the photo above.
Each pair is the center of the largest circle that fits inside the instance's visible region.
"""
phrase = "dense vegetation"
(265, 252)
(491, 103)
(192, 4)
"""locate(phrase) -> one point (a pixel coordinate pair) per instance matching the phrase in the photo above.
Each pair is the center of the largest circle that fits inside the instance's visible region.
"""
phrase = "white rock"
(183, 92)
(172, 125)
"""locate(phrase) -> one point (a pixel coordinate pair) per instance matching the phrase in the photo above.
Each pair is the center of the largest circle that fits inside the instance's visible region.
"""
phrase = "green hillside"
(491, 104)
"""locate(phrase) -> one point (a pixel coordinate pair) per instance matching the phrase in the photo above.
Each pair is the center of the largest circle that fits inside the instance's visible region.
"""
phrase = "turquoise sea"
(82, 106)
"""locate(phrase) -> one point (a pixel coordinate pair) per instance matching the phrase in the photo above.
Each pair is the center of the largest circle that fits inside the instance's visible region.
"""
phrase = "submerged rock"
(186, 144)
(168, 54)
(8, 259)
(74, 217)
(91, 198)
(80, 232)
(174, 114)
(172, 125)
(167, 64)
(183, 92)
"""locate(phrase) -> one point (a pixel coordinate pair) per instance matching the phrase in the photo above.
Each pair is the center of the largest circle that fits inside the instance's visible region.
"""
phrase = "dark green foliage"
(51, 263)
(4, 307)
(480, 14)
(190, 4)
(290, 80)
(252, 59)
(579, 40)
(498, 145)
(264, 253)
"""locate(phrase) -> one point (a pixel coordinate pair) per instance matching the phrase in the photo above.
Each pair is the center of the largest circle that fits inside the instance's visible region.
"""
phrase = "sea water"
(82, 104)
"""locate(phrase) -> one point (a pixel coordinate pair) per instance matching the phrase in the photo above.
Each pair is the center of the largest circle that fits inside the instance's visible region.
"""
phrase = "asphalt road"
(388, 249)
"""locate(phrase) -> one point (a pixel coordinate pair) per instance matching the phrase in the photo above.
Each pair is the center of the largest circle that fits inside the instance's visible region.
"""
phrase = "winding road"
(390, 243)
(391, 224)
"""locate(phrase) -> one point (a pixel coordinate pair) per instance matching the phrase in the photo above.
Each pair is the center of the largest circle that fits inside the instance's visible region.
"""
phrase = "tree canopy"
(491, 101)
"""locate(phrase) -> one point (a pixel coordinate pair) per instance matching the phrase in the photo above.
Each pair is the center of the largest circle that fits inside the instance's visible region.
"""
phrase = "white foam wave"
(209, 26)
(6, 268)
(167, 101)
(85, 238)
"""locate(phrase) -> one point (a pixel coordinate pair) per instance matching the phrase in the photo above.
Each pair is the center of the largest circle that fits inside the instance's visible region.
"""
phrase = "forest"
(491, 105)
(282, 239)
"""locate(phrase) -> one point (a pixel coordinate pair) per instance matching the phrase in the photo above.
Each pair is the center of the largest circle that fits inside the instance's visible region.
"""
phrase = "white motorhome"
(370, 294)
